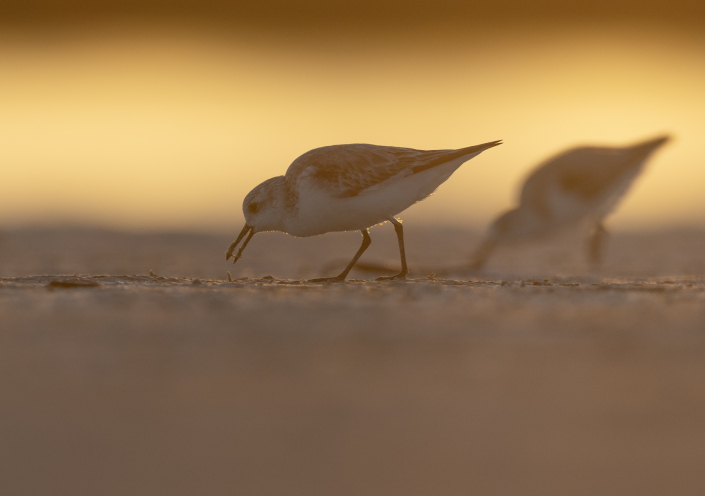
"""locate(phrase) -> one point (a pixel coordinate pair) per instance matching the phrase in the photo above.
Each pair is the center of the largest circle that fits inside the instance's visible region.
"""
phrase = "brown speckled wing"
(586, 173)
(347, 170)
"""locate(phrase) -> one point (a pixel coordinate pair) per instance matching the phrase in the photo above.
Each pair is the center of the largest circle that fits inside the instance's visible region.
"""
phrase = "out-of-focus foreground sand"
(534, 377)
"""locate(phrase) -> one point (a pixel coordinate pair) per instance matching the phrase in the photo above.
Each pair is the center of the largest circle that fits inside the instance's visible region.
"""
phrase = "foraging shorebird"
(578, 187)
(346, 188)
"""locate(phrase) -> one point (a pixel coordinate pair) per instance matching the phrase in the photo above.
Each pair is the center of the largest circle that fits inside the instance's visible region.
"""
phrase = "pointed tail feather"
(456, 154)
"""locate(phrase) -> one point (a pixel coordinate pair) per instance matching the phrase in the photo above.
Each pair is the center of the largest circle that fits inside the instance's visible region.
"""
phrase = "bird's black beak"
(232, 247)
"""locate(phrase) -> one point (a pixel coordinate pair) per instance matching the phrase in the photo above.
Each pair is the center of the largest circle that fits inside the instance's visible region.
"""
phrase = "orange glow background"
(159, 115)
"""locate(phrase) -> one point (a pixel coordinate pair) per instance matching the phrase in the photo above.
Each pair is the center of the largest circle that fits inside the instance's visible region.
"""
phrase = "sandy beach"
(502, 382)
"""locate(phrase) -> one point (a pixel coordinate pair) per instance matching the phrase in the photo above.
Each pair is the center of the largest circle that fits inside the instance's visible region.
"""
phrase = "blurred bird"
(348, 187)
(578, 187)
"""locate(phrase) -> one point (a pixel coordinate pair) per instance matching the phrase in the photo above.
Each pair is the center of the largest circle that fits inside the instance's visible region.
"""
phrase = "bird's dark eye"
(252, 208)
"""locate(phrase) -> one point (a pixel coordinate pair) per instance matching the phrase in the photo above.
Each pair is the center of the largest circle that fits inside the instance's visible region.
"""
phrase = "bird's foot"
(400, 275)
(328, 279)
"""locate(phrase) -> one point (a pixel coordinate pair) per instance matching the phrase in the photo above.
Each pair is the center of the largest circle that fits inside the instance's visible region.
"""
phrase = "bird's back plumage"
(348, 170)
(586, 175)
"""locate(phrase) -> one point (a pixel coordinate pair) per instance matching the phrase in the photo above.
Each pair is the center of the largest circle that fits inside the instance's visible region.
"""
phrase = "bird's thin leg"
(366, 241)
(596, 243)
(400, 237)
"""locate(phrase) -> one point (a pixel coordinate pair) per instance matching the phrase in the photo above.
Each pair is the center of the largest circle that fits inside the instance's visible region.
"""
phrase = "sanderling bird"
(348, 188)
(578, 187)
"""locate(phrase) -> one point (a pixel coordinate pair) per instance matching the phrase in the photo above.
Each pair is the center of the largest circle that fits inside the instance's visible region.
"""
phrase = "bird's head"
(515, 225)
(263, 208)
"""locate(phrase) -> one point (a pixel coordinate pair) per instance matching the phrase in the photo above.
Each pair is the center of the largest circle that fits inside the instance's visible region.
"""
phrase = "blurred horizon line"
(232, 228)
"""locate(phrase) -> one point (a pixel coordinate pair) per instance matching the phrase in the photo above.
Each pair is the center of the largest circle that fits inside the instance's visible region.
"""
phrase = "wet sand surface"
(533, 377)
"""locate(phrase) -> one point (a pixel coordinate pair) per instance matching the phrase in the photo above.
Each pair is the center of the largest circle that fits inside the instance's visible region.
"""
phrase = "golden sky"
(168, 125)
